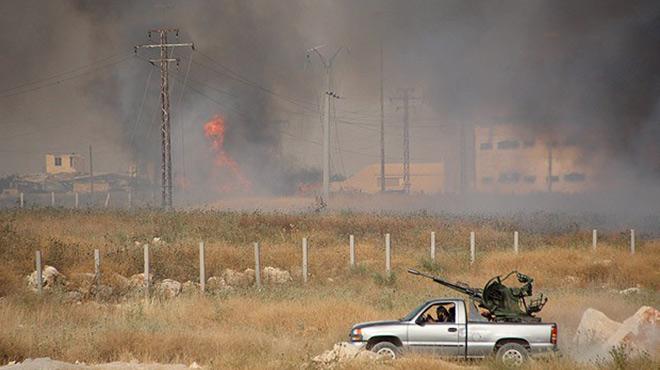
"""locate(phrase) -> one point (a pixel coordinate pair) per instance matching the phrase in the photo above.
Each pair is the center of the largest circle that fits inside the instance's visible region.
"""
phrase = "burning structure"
(228, 174)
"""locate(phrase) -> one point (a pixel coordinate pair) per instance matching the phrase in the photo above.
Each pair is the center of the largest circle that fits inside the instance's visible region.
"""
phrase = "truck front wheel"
(512, 354)
(386, 349)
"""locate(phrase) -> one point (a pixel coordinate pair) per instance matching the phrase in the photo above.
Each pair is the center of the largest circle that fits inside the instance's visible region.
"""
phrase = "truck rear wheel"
(512, 354)
(387, 349)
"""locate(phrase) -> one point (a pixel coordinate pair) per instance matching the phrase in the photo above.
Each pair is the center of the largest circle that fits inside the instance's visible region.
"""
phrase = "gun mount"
(502, 303)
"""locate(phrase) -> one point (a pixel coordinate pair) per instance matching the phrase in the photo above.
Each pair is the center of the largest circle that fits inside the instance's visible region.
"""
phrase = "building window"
(508, 144)
(528, 143)
(574, 177)
(58, 161)
(71, 162)
(529, 179)
(486, 146)
(487, 180)
(509, 177)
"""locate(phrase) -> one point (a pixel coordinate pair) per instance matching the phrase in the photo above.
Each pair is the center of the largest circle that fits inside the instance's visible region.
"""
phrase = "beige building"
(424, 178)
(509, 159)
(66, 163)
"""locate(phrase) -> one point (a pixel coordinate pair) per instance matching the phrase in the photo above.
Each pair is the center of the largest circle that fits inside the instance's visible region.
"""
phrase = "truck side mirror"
(420, 320)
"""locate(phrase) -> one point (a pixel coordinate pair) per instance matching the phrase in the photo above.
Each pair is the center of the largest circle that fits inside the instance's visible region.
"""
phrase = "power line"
(64, 79)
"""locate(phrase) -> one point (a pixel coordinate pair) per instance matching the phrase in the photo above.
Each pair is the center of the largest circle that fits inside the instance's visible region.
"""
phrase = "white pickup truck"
(447, 327)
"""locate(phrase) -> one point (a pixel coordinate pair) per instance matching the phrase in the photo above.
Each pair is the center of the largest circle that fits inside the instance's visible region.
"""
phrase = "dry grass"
(282, 327)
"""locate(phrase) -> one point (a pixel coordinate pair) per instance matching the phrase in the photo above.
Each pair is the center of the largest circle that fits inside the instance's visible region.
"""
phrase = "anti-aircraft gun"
(502, 303)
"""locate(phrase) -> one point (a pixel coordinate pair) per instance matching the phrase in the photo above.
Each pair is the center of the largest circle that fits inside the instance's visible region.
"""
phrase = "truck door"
(435, 330)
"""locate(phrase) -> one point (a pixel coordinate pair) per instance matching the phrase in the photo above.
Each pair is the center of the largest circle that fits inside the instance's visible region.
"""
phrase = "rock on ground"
(273, 275)
(238, 279)
(597, 334)
(46, 363)
(51, 279)
(341, 353)
(215, 285)
(168, 288)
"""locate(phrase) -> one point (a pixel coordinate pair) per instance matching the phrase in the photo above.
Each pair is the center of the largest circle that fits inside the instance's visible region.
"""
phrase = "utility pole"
(91, 176)
(550, 167)
(329, 93)
(382, 124)
(405, 97)
(163, 62)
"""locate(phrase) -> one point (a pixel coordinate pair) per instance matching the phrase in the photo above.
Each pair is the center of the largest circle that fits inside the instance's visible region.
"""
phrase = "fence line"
(304, 260)
(351, 249)
(257, 264)
(202, 268)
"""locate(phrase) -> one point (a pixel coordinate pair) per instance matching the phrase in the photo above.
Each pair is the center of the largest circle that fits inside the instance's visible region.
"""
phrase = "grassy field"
(284, 326)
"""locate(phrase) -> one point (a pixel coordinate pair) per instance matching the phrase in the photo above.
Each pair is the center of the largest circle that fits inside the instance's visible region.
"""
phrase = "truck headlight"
(356, 335)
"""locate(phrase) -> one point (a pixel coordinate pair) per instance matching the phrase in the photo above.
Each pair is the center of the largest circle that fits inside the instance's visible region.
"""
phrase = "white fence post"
(97, 266)
(304, 260)
(594, 238)
(388, 254)
(40, 281)
(107, 200)
(76, 202)
(632, 241)
(146, 272)
(515, 242)
(433, 246)
(52, 199)
(473, 251)
(257, 265)
(22, 200)
(351, 249)
(202, 268)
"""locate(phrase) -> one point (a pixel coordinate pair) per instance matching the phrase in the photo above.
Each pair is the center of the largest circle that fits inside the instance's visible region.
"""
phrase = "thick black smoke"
(589, 69)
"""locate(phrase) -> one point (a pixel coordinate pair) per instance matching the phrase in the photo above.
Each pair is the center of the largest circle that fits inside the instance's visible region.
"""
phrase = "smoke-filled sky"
(590, 69)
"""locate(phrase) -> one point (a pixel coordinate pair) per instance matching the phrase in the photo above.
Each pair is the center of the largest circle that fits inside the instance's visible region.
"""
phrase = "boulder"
(238, 279)
(273, 275)
(215, 285)
(167, 288)
(51, 279)
(597, 334)
(639, 331)
(594, 328)
(83, 282)
(189, 288)
(341, 353)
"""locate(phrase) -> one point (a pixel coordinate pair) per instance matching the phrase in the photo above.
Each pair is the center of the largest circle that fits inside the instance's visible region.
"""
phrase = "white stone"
(168, 288)
(273, 275)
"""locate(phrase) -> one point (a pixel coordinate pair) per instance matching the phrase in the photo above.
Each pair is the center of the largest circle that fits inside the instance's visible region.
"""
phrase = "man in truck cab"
(442, 314)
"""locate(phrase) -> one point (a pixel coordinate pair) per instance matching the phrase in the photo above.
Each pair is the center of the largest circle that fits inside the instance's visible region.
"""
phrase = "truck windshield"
(414, 312)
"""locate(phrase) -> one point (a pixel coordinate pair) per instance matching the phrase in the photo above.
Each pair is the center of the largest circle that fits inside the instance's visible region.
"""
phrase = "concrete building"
(510, 160)
(65, 163)
(424, 178)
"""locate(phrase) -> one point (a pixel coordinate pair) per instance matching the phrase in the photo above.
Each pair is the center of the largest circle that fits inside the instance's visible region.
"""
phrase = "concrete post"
(304, 260)
(107, 200)
(97, 266)
(202, 268)
(632, 241)
(351, 249)
(40, 280)
(257, 265)
(473, 250)
(52, 199)
(22, 200)
(515, 242)
(594, 238)
(388, 255)
(433, 246)
(147, 281)
(76, 202)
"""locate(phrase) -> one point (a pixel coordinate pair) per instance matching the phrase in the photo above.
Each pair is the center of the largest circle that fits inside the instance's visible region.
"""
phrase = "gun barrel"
(472, 292)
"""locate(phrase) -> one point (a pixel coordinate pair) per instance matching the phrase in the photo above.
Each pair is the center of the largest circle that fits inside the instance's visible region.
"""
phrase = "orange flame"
(215, 131)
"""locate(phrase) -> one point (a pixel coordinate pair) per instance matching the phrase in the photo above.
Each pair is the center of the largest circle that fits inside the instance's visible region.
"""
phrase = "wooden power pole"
(163, 62)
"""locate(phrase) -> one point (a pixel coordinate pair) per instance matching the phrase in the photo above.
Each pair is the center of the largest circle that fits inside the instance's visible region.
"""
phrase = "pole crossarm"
(153, 46)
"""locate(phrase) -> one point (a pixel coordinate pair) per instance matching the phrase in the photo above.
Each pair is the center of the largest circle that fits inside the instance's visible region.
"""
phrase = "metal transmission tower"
(382, 124)
(327, 64)
(405, 96)
(163, 62)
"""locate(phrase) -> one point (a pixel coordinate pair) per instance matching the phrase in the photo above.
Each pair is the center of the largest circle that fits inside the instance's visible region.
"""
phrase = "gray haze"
(589, 69)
